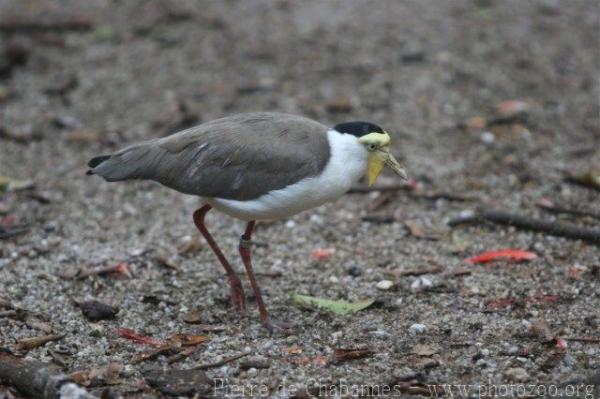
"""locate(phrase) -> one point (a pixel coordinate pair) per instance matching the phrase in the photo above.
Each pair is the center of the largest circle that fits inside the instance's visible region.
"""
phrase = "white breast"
(347, 164)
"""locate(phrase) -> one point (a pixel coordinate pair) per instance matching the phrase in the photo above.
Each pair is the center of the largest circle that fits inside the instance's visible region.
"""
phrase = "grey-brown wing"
(239, 157)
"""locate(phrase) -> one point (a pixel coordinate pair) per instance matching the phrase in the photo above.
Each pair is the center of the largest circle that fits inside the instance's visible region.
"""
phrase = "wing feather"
(239, 157)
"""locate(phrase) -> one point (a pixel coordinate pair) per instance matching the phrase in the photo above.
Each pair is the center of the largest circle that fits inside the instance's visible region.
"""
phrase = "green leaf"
(338, 307)
(8, 184)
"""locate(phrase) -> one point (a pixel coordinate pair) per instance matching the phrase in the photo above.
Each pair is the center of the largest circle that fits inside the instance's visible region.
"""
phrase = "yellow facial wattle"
(378, 147)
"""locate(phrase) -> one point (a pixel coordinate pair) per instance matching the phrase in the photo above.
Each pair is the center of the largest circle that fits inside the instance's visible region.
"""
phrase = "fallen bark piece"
(527, 223)
(343, 355)
(94, 310)
(38, 380)
(514, 254)
(179, 382)
(30, 343)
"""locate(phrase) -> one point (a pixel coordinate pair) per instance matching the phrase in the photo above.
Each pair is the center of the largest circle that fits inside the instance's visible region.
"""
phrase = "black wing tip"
(97, 161)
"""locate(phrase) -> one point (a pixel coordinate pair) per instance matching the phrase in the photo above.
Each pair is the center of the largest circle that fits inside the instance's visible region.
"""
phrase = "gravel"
(145, 70)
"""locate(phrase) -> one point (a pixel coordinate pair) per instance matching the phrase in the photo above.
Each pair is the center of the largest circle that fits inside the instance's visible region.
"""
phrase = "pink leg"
(245, 253)
(237, 291)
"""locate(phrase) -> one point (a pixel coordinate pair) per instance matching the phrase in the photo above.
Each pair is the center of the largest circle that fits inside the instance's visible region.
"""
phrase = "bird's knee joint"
(244, 243)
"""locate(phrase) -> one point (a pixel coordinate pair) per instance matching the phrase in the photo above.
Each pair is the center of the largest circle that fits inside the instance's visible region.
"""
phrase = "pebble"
(487, 137)
(355, 271)
(252, 372)
(417, 328)
(517, 374)
(290, 224)
(334, 279)
(421, 283)
(384, 285)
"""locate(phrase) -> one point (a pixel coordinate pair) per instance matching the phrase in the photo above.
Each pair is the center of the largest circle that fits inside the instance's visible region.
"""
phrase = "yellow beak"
(380, 158)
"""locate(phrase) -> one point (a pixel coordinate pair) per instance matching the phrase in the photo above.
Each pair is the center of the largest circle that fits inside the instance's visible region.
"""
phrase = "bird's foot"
(275, 327)
(238, 299)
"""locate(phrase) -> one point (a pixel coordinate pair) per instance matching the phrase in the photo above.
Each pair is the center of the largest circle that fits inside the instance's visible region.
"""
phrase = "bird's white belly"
(347, 164)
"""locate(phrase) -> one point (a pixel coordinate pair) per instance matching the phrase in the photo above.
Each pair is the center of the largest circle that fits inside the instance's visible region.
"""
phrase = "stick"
(36, 379)
(527, 223)
(33, 26)
(592, 340)
(221, 362)
(568, 211)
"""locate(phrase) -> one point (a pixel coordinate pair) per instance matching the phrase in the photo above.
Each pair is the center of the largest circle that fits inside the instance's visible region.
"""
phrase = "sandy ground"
(421, 69)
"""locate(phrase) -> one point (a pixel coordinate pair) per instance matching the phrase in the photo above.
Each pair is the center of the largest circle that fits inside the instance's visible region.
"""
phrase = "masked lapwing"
(256, 166)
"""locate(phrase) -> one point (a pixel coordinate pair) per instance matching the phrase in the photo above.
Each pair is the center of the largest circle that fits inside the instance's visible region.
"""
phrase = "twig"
(6, 233)
(568, 211)
(381, 199)
(592, 340)
(527, 223)
(379, 219)
(221, 362)
(434, 196)
(33, 26)
(182, 354)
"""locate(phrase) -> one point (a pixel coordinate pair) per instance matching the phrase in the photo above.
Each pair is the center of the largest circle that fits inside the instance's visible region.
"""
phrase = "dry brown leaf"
(194, 316)
(293, 350)
(424, 350)
(542, 331)
(30, 343)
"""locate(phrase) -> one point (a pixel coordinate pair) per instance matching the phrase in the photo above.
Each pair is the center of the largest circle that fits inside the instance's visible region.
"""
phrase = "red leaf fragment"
(142, 339)
(123, 269)
(321, 254)
(514, 254)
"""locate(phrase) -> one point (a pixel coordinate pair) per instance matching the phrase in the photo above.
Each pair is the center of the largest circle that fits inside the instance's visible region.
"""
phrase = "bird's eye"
(372, 147)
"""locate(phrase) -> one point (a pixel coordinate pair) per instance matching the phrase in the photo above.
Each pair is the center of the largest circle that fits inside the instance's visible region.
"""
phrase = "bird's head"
(377, 143)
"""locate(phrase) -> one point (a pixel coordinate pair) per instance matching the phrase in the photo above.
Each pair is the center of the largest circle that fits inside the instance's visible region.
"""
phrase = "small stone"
(487, 137)
(421, 283)
(417, 328)
(384, 285)
(355, 271)
(334, 280)
(252, 372)
(517, 374)
(538, 247)
(95, 311)
(290, 224)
